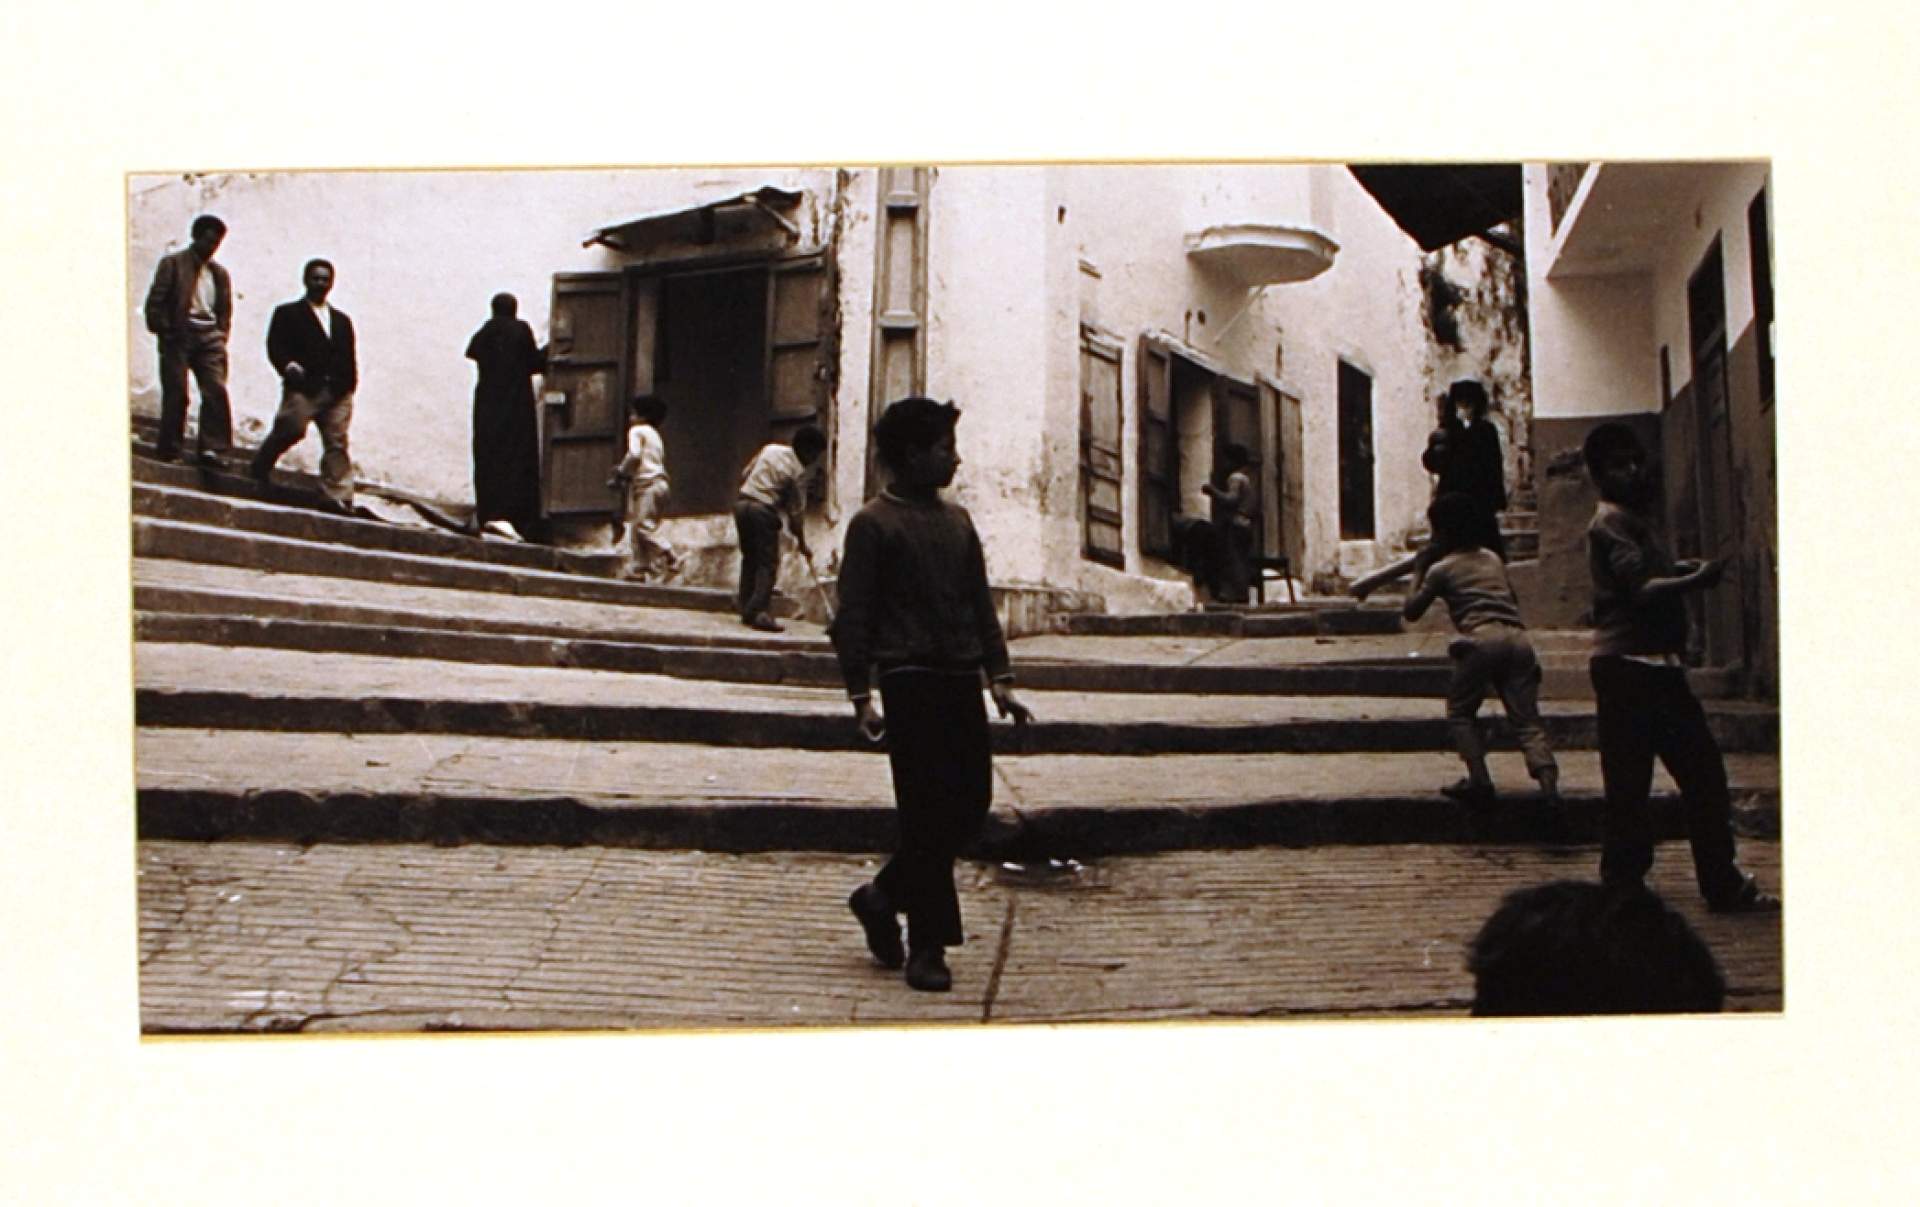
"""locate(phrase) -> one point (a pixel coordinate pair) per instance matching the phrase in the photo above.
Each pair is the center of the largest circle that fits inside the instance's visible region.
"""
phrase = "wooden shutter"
(1100, 422)
(584, 413)
(1159, 483)
(802, 354)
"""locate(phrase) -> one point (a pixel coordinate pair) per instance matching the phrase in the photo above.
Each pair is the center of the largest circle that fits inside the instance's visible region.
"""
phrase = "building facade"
(1104, 329)
(1650, 292)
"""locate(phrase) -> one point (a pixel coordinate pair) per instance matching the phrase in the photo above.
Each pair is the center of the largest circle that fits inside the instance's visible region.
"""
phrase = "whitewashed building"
(1104, 329)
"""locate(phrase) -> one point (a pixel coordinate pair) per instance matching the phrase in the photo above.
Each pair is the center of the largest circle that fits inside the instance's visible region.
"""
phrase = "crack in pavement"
(555, 920)
(999, 962)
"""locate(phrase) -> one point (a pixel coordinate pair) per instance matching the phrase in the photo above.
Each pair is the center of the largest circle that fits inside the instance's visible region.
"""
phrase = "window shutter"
(1100, 463)
(584, 413)
(802, 353)
(1157, 449)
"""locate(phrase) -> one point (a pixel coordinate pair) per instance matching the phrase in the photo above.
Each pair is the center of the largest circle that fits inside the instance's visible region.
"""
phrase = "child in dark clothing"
(916, 614)
(1640, 686)
(772, 487)
(1492, 650)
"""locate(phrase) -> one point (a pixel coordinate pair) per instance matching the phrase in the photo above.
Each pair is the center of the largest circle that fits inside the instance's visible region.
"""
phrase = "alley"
(272, 937)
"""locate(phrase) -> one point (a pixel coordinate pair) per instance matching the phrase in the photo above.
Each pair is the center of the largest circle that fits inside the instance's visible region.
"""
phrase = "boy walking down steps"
(916, 617)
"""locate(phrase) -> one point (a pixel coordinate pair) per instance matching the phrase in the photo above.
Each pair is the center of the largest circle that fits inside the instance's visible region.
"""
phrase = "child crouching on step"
(1492, 649)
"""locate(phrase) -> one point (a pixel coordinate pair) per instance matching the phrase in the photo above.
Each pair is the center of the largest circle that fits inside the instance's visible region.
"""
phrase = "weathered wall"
(1596, 353)
(1476, 312)
(417, 257)
(1560, 594)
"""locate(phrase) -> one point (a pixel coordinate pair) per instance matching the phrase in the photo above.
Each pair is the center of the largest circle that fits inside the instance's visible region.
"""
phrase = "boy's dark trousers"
(942, 763)
(1645, 711)
(759, 529)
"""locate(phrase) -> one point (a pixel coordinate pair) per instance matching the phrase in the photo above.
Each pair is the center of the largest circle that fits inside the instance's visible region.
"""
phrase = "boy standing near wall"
(1646, 707)
(644, 473)
(772, 486)
(916, 613)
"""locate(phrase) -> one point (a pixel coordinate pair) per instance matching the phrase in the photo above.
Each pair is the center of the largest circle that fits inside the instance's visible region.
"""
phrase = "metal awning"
(1439, 204)
(764, 208)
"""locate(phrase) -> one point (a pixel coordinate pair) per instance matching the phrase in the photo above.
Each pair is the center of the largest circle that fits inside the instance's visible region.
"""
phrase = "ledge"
(1258, 254)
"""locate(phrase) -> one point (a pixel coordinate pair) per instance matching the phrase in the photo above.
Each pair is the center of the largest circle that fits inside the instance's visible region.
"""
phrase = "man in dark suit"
(190, 309)
(311, 346)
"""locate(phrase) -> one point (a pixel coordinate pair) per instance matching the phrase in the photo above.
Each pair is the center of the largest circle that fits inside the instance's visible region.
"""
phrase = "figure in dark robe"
(506, 436)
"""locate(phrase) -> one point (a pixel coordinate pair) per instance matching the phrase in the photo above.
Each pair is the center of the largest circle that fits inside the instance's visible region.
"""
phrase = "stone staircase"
(322, 677)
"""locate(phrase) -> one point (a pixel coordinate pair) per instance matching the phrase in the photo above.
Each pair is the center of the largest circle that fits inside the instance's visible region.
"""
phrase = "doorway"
(1718, 504)
(710, 367)
(1356, 454)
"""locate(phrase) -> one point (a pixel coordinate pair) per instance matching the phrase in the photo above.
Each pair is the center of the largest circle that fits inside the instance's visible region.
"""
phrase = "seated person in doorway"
(1492, 650)
(643, 471)
(1232, 517)
(772, 486)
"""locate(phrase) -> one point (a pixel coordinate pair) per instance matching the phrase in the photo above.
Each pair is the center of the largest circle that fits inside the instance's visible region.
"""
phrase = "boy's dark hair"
(1605, 441)
(317, 262)
(206, 222)
(910, 424)
(1457, 521)
(1235, 456)
(504, 305)
(1469, 392)
(808, 441)
(1572, 948)
(650, 407)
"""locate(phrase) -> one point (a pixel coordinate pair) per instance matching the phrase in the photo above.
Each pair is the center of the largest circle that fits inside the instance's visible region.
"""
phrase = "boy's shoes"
(927, 970)
(765, 623)
(883, 929)
(1469, 793)
(1749, 898)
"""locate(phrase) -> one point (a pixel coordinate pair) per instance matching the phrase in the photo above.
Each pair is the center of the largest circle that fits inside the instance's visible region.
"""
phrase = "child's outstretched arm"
(1424, 594)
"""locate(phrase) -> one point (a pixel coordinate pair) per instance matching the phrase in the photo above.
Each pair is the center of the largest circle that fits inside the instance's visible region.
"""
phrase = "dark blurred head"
(207, 232)
(808, 443)
(915, 441)
(1572, 948)
(1470, 396)
(1615, 462)
(649, 407)
(1235, 456)
(505, 305)
(1456, 520)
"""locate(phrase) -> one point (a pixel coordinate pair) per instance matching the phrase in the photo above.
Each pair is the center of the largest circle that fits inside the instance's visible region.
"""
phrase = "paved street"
(244, 936)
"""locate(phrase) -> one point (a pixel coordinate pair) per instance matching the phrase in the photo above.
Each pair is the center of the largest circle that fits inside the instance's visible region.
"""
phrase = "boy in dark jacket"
(1640, 686)
(916, 614)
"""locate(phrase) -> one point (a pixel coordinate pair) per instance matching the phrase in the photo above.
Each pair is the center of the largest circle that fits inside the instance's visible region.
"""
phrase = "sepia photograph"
(823, 596)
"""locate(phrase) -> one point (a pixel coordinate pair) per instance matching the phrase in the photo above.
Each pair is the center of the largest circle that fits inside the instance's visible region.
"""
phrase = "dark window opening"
(1356, 454)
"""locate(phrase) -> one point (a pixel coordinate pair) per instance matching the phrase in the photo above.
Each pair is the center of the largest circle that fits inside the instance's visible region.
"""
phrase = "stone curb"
(245, 515)
(224, 619)
(741, 826)
(768, 728)
(217, 546)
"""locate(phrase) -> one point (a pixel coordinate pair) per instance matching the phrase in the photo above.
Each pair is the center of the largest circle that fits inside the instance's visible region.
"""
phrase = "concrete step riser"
(817, 731)
(1329, 622)
(298, 524)
(215, 546)
(347, 631)
(742, 826)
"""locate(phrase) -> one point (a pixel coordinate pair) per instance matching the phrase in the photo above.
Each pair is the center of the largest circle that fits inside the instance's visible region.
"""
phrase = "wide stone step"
(1331, 619)
(157, 538)
(182, 685)
(227, 784)
(270, 519)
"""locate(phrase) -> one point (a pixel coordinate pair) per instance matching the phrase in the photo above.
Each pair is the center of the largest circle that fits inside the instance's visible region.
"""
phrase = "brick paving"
(270, 937)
